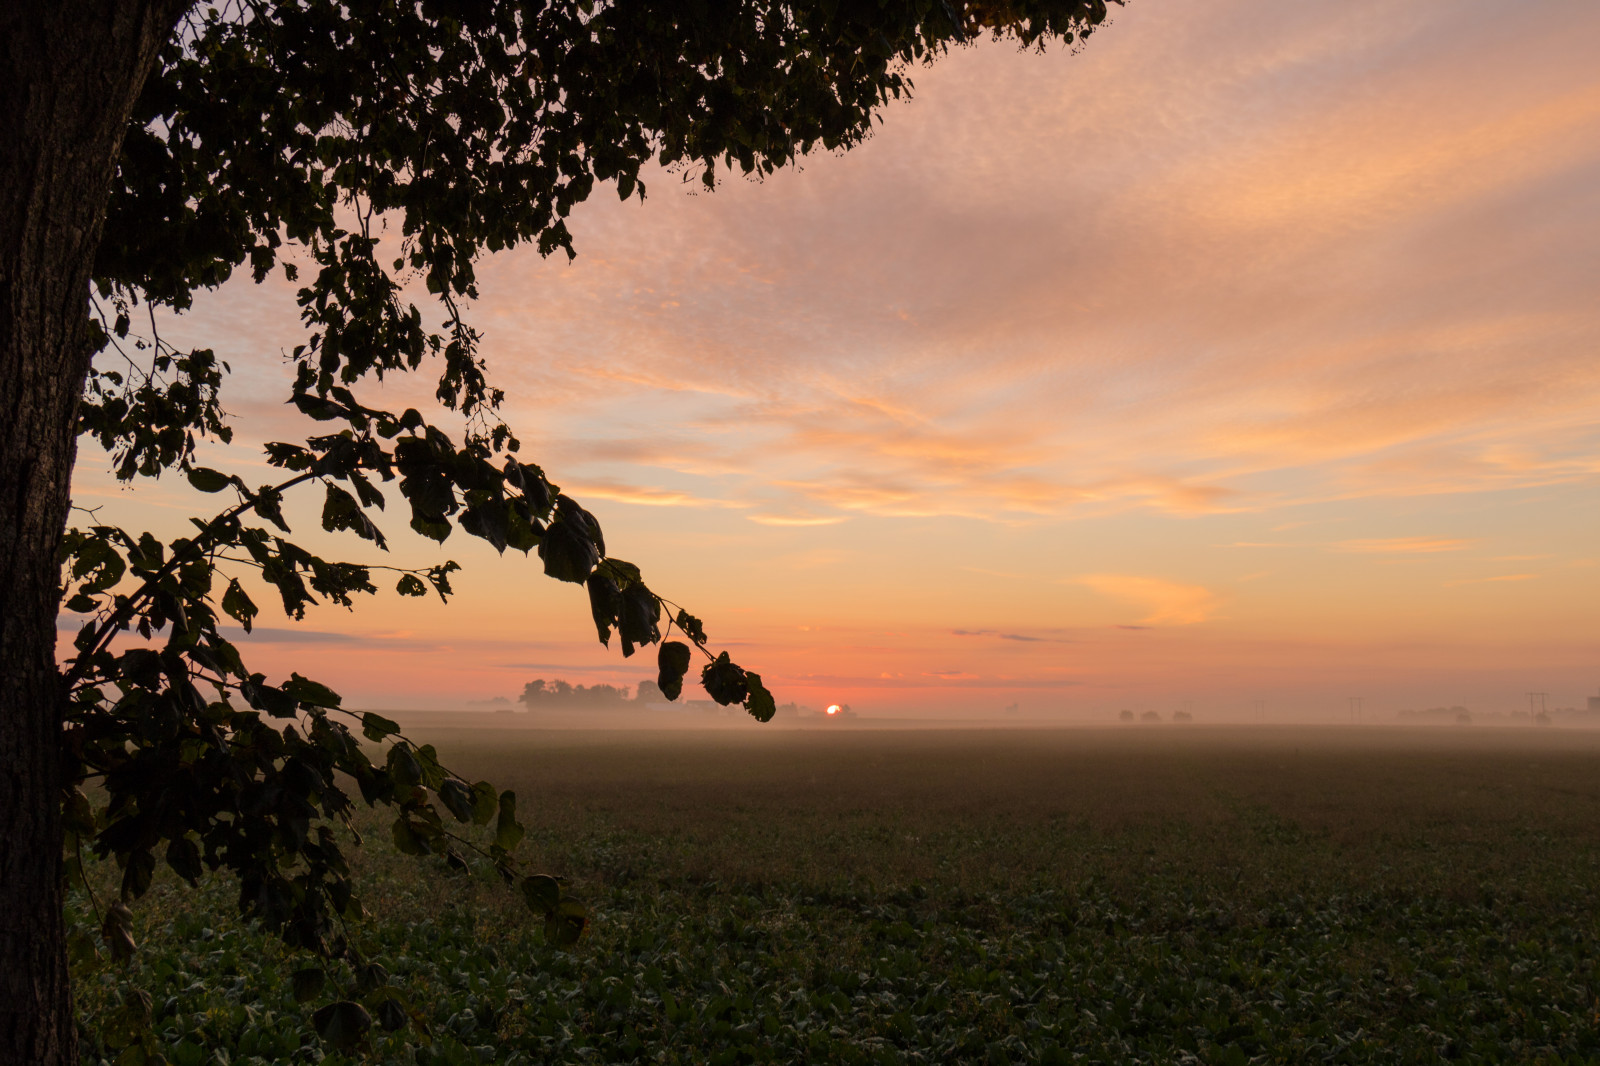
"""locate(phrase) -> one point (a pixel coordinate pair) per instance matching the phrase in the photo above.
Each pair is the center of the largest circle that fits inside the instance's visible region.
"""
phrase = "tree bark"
(70, 73)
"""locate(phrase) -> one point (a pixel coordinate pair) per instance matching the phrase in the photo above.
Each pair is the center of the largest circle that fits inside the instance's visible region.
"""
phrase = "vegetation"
(540, 693)
(922, 897)
(365, 150)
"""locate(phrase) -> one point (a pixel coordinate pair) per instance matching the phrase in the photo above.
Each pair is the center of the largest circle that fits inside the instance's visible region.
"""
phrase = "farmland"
(856, 895)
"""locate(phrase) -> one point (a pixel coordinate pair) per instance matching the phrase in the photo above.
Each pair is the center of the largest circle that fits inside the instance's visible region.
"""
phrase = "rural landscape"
(724, 532)
(1229, 895)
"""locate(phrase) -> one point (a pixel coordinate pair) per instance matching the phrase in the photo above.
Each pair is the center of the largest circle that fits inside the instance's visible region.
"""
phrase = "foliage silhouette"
(540, 693)
(372, 146)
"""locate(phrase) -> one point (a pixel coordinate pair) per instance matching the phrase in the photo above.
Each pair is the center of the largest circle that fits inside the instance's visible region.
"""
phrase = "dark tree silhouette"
(539, 693)
(150, 148)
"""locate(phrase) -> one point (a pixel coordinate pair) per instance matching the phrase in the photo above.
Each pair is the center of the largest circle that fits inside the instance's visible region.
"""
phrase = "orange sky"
(1248, 354)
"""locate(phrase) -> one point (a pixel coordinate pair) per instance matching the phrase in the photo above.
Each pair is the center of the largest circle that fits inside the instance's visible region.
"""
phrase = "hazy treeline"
(541, 693)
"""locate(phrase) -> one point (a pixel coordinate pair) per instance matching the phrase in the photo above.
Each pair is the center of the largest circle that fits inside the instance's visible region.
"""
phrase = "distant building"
(1594, 704)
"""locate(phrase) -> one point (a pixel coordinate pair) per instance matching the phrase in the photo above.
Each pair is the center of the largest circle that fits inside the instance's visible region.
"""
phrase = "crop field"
(943, 896)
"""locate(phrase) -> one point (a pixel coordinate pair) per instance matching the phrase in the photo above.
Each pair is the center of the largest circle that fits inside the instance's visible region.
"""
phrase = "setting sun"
(1171, 430)
(1303, 407)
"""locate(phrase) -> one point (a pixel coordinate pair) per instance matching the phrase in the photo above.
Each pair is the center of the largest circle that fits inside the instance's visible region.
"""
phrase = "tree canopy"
(362, 147)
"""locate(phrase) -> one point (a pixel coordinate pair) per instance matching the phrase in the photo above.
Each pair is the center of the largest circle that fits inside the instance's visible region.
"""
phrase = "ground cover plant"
(1149, 895)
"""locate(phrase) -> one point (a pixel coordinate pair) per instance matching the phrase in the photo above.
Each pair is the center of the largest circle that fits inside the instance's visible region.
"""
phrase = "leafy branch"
(464, 129)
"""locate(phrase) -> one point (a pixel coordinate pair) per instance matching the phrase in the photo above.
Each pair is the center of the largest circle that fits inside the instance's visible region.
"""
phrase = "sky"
(1245, 357)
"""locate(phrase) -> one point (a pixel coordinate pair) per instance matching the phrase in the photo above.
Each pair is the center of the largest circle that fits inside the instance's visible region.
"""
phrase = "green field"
(939, 896)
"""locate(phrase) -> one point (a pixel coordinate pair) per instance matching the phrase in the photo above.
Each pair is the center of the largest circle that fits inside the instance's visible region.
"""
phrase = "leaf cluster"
(203, 764)
(361, 147)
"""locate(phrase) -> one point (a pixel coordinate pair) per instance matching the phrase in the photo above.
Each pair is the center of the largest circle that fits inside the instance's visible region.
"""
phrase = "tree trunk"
(70, 73)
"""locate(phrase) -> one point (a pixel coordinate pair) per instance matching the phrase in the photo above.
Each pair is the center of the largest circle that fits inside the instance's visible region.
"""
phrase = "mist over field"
(1537, 710)
(1223, 894)
(1120, 515)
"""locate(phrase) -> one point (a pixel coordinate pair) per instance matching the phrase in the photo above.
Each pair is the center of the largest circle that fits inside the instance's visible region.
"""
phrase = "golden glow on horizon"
(1247, 354)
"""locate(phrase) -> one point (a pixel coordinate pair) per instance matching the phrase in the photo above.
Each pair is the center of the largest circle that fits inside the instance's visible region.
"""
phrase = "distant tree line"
(540, 693)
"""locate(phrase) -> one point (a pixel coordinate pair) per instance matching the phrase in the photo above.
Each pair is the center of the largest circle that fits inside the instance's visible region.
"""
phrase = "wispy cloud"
(1285, 292)
(1290, 277)
(643, 495)
(1020, 638)
(621, 669)
(1401, 545)
(796, 520)
(1370, 545)
(1163, 602)
(1490, 580)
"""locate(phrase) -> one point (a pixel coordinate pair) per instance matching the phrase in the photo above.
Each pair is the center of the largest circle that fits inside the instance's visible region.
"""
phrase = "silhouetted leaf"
(404, 766)
(265, 697)
(637, 622)
(457, 799)
(673, 662)
(342, 1024)
(239, 606)
(692, 627)
(208, 480)
(724, 681)
(565, 925)
(377, 727)
(759, 702)
(568, 553)
(370, 975)
(184, 858)
(406, 839)
(138, 868)
(484, 803)
(392, 1014)
(309, 692)
(507, 831)
(542, 893)
(605, 603)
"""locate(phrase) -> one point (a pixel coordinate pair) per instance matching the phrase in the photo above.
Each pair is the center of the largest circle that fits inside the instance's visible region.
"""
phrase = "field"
(939, 896)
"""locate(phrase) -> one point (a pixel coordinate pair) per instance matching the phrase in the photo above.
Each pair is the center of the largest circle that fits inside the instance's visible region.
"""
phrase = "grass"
(1169, 895)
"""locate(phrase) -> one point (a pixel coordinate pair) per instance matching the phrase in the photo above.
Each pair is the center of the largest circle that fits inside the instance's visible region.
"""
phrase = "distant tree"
(148, 149)
(558, 693)
(650, 692)
(601, 695)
